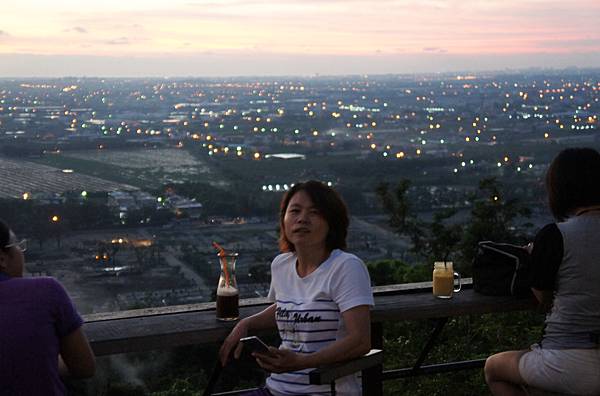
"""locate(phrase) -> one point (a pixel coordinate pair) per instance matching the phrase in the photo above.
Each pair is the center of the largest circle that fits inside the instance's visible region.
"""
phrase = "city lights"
(245, 133)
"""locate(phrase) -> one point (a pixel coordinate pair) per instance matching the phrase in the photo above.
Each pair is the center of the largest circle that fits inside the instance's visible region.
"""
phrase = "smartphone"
(255, 344)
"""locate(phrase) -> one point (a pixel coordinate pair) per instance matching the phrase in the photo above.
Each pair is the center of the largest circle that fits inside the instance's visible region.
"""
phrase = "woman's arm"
(262, 320)
(76, 358)
(356, 343)
(544, 297)
(546, 258)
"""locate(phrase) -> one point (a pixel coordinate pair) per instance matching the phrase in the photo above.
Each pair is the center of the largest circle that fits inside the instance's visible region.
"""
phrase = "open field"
(146, 169)
(171, 160)
(19, 177)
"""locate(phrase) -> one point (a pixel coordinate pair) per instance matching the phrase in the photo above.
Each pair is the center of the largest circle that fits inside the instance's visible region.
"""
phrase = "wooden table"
(147, 329)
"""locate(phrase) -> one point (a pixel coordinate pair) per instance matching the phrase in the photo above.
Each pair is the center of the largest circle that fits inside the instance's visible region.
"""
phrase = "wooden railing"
(155, 328)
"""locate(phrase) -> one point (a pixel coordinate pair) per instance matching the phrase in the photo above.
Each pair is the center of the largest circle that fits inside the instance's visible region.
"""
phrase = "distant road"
(150, 231)
(391, 240)
(173, 261)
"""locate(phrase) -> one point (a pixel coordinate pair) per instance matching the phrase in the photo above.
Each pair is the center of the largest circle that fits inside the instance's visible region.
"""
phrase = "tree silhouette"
(492, 217)
(433, 240)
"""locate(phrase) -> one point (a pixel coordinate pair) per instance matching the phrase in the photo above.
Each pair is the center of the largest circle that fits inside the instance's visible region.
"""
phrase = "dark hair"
(4, 235)
(330, 205)
(573, 181)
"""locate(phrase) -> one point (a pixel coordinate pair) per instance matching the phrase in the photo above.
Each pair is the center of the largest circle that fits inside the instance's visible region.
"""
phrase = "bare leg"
(502, 374)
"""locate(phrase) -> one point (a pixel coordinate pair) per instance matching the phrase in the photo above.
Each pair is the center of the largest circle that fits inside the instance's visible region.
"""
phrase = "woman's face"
(303, 224)
(12, 259)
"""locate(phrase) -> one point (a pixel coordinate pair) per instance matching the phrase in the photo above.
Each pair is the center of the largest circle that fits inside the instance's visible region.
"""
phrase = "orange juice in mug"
(443, 279)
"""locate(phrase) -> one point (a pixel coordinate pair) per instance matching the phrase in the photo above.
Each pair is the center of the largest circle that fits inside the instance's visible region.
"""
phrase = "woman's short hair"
(4, 235)
(330, 205)
(573, 181)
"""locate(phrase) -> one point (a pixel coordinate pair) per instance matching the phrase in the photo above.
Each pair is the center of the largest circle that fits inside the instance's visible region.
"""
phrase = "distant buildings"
(183, 207)
(124, 202)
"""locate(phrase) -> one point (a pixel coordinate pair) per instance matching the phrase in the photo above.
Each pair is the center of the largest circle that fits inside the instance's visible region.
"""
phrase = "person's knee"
(489, 369)
(503, 367)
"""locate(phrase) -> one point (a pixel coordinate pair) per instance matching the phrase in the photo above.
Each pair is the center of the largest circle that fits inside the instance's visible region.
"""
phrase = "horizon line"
(507, 70)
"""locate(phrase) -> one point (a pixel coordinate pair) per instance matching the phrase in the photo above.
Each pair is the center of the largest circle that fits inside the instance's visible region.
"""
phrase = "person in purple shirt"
(41, 336)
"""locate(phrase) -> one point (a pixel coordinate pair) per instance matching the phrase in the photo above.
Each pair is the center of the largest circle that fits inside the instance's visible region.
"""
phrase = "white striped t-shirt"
(309, 314)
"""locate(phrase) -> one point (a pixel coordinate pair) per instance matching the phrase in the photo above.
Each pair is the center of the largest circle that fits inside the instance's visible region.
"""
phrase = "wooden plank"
(159, 331)
(324, 375)
(425, 305)
(154, 329)
(432, 369)
(173, 309)
(413, 287)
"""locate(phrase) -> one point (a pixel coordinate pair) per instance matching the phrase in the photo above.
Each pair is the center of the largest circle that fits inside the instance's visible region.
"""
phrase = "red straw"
(223, 258)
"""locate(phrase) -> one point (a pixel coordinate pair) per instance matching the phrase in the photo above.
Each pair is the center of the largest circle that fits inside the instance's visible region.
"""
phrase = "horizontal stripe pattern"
(310, 341)
(295, 321)
(299, 387)
(312, 310)
(310, 331)
(323, 300)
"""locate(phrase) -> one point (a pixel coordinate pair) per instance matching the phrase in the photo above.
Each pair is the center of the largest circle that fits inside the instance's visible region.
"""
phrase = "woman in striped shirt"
(321, 296)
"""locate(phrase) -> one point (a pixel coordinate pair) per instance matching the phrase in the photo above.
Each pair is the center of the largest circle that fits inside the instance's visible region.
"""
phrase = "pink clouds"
(304, 28)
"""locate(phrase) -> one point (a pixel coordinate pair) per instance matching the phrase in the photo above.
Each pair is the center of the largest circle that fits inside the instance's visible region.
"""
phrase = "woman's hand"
(280, 360)
(233, 341)
(262, 320)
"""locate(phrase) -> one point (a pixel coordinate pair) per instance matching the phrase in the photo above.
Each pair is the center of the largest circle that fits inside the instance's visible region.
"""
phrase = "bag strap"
(487, 245)
(504, 253)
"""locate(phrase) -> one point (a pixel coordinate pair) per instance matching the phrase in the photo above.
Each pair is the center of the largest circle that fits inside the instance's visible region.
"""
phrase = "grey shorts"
(571, 371)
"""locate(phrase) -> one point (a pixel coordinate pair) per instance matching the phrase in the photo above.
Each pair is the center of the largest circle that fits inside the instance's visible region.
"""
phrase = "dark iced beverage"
(228, 303)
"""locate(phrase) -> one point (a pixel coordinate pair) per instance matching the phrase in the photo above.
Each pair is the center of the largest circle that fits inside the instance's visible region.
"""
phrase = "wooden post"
(372, 383)
(376, 335)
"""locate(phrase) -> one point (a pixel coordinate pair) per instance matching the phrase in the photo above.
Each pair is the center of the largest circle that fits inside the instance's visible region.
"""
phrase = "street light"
(56, 220)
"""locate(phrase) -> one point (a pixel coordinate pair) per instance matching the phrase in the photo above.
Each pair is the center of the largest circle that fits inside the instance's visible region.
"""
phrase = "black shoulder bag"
(501, 269)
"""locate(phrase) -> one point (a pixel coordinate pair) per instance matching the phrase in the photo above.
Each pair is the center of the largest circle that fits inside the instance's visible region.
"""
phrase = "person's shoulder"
(548, 227)
(282, 259)
(549, 231)
(340, 257)
(548, 241)
(38, 281)
(44, 289)
(45, 283)
(46, 280)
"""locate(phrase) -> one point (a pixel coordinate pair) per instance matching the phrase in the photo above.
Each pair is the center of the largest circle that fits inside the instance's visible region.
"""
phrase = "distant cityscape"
(123, 184)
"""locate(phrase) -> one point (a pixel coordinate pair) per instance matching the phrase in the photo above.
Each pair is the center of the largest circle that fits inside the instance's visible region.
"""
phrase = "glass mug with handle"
(444, 279)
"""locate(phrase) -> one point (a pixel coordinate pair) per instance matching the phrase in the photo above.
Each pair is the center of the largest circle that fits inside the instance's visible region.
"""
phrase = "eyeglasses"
(21, 245)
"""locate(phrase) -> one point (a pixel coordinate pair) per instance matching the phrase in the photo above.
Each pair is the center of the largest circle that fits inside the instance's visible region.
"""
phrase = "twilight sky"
(293, 37)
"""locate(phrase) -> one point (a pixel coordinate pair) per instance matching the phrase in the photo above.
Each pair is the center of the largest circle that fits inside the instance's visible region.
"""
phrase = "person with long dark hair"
(322, 296)
(41, 338)
(566, 278)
